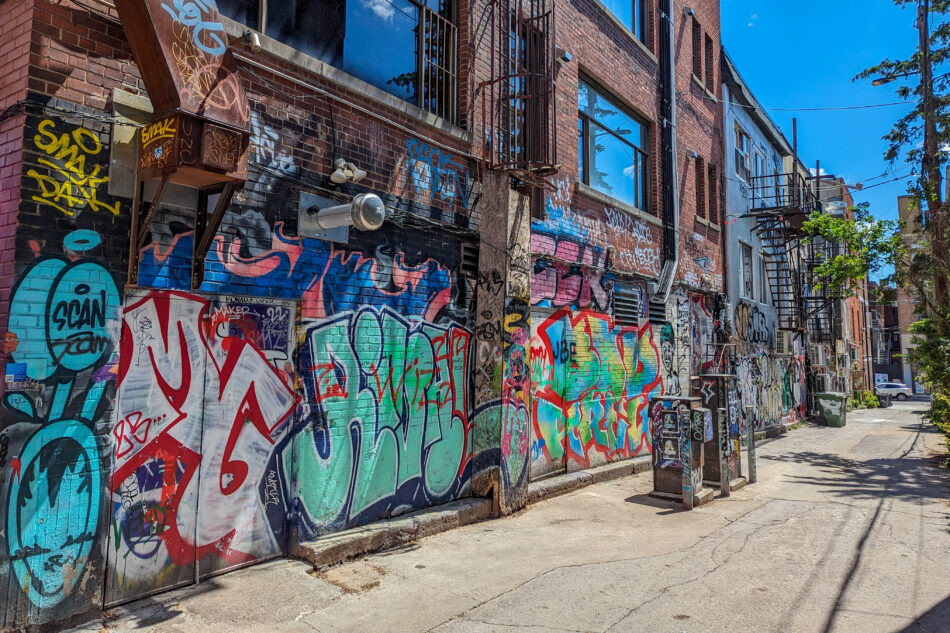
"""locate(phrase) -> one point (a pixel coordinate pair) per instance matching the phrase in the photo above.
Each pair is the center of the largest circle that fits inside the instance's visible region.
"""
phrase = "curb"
(388, 534)
(562, 484)
(338, 547)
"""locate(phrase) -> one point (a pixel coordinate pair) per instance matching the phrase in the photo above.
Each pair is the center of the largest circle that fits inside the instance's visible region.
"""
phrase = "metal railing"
(518, 99)
(782, 191)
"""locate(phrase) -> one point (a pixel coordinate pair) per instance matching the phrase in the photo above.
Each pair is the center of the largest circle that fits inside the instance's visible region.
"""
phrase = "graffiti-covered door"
(549, 352)
(592, 379)
(203, 417)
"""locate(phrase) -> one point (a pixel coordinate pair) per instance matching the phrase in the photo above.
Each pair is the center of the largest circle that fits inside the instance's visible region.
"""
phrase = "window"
(631, 13)
(611, 144)
(742, 154)
(697, 49)
(763, 281)
(406, 47)
(700, 188)
(710, 65)
(748, 285)
(713, 190)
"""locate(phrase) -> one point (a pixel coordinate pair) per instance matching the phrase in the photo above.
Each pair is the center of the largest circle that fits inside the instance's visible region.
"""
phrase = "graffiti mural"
(573, 275)
(702, 342)
(398, 272)
(387, 415)
(61, 342)
(71, 174)
(591, 382)
(434, 177)
(753, 328)
(203, 412)
(772, 387)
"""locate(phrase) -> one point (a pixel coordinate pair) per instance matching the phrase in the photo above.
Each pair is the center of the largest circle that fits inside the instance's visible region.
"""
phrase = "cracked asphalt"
(848, 530)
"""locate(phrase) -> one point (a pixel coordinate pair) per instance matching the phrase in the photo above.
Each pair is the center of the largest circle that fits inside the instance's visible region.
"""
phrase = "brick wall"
(15, 22)
(699, 130)
(106, 375)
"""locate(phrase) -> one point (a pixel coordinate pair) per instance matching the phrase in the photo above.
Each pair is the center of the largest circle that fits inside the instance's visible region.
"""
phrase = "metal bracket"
(206, 229)
(140, 225)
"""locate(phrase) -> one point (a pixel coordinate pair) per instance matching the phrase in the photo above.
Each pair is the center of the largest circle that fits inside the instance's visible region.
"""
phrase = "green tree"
(868, 245)
(917, 138)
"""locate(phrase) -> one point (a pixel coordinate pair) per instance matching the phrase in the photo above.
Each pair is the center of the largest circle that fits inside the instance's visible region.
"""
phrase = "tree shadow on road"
(936, 620)
(907, 478)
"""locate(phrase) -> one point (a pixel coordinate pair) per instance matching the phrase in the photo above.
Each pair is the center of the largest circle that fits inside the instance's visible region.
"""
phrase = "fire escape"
(518, 98)
(780, 205)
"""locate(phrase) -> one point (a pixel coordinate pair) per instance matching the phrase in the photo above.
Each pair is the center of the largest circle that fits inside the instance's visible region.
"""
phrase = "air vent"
(657, 313)
(628, 303)
(469, 264)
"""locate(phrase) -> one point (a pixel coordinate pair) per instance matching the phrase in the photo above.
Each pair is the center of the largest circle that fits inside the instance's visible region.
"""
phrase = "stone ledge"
(336, 548)
(562, 484)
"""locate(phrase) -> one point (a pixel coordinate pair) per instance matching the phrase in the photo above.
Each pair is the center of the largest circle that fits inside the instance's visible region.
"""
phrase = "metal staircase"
(778, 245)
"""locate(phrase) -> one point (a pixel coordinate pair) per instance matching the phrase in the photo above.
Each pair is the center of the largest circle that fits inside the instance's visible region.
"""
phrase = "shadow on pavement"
(154, 610)
(667, 507)
(870, 479)
(937, 620)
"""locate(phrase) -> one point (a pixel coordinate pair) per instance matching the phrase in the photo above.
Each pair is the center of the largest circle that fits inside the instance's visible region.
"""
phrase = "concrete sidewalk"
(847, 530)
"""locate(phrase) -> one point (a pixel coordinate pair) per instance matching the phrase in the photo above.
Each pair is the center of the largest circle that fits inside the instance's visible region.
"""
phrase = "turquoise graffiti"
(53, 510)
(61, 340)
(70, 301)
(388, 417)
(591, 382)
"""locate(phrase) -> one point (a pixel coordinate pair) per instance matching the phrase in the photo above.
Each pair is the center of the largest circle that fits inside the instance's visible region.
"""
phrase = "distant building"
(885, 334)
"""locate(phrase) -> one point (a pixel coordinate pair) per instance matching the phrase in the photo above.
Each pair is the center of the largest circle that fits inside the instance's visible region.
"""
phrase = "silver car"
(894, 389)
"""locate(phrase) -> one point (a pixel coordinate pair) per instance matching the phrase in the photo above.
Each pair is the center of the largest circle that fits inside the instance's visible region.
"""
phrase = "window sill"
(707, 223)
(699, 82)
(627, 32)
(278, 50)
(593, 194)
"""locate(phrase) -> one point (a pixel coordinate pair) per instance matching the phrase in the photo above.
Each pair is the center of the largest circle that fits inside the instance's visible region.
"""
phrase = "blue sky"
(803, 55)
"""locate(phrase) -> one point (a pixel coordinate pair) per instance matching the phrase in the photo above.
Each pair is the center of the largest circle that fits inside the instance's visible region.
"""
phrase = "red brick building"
(200, 372)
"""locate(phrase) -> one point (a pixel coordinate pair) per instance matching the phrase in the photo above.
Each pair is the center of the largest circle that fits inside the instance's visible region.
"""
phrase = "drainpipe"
(671, 231)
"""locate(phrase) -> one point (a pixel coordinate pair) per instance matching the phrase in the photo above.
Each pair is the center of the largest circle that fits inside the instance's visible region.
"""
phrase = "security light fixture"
(366, 212)
(345, 171)
(252, 39)
(689, 11)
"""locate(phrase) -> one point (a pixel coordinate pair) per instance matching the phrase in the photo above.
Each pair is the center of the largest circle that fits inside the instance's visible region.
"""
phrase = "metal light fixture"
(339, 175)
(252, 39)
(366, 212)
(345, 171)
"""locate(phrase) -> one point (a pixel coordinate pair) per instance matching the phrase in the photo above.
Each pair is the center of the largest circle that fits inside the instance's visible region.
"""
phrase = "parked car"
(896, 390)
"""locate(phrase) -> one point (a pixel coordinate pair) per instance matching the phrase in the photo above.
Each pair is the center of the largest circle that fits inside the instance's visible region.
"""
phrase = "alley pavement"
(848, 530)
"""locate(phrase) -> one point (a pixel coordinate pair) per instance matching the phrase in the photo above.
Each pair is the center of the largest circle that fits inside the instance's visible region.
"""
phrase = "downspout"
(671, 231)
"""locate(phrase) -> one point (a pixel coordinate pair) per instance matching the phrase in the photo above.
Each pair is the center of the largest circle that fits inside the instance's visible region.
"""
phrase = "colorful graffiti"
(515, 391)
(434, 176)
(73, 170)
(591, 385)
(387, 415)
(202, 414)
(62, 329)
(572, 276)
(772, 388)
(702, 342)
(319, 273)
(753, 328)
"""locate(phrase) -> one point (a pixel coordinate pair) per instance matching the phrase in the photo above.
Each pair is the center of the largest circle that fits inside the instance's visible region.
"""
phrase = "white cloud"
(811, 170)
(383, 10)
